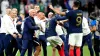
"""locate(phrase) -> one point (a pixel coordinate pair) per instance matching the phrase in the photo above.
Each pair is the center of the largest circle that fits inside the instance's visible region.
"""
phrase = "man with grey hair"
(28, 38)
(11, 31)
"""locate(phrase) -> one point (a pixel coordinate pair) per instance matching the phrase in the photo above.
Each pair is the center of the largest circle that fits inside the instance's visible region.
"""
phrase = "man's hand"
(20, 36)
(51, 7)
(57, 11)
(18, 23)
(14, 35)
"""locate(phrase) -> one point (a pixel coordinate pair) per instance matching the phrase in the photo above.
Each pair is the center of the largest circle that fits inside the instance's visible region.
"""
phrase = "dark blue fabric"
(65, 44)
(17, 46)
(26, 44)
(8, 45)
(29, 28)
(87, 39)
(97, 45)
(19, 26)
(66, 26)
(43, 42)
(50, 27)
(72, 16)
(19, 43)
(2, 36)
(75, 20)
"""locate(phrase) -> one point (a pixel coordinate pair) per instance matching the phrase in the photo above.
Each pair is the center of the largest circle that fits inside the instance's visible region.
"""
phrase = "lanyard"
(12, 21)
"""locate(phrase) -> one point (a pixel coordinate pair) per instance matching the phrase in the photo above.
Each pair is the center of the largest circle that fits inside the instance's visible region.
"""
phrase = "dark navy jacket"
(29, 28)
(19, 25)
(50, 27)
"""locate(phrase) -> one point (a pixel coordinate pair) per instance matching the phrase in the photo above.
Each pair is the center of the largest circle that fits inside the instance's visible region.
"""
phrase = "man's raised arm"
(56, 11)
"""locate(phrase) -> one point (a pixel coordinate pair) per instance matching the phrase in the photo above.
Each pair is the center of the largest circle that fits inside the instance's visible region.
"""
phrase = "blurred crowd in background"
(90, 8)
(24, 5)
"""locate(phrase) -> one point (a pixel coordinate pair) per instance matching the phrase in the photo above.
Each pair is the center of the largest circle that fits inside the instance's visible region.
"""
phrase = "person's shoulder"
(76, 10)
(80, 11)
(27, 18)
(68, 11)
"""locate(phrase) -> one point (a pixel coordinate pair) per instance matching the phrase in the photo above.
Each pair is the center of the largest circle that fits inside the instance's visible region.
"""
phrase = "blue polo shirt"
(93, 22)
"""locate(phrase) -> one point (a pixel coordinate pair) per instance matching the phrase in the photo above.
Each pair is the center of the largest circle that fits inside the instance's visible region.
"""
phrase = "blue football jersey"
(50, 27)
(75, 21)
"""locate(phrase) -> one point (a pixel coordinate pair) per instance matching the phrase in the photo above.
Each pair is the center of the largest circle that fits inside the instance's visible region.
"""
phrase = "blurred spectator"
(15, 4)
(37, 8)
(54, 2)
(61, 3)
(97, 3)
(48, 9)
(90, 7)
(24, 5)
(0, 6)
(97, 32)
(23, 20)
(4, 5)
(32, 1)
(42, 7)
(38, 1)
(27, 7)
(58, 7)
(83, 2)
(43, 1)
(85, 10)
(22, 8)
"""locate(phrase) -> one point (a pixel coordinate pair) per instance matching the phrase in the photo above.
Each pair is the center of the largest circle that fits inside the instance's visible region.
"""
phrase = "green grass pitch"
(49, 52)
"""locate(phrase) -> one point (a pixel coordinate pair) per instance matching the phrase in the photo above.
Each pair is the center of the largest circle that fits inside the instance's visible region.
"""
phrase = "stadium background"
(86, 5)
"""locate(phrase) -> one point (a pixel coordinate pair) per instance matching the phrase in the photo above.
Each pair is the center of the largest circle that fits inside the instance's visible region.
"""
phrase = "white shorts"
(75, 39)
(54, 41)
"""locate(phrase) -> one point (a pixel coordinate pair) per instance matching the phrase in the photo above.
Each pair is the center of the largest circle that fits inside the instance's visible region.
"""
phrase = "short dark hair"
(77, 4)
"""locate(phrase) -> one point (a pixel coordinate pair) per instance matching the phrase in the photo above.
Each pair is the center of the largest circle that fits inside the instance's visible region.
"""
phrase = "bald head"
(41, 15)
